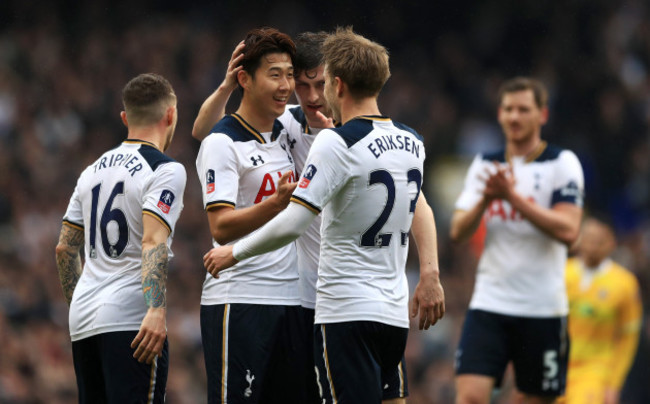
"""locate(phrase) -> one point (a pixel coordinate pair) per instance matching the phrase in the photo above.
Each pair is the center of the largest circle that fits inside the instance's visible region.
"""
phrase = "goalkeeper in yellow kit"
(604, 319)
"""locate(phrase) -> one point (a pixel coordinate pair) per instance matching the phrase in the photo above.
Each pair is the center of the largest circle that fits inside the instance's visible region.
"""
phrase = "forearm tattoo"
(154, 276)
(68, 261)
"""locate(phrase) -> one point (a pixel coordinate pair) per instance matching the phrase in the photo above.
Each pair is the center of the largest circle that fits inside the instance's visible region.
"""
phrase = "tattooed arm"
(68, 260)
(153, 330)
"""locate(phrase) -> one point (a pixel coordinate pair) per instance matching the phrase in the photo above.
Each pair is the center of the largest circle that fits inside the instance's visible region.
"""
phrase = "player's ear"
(544, 115)
(340, 86)
(124, 120)
(171, 111)
(243, 78)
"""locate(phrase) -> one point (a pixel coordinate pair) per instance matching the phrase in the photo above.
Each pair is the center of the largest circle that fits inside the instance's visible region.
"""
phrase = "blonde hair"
(359, 62)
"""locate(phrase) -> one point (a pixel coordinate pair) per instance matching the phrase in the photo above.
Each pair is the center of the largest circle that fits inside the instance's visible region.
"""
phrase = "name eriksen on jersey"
(398, 142)
(119, 159)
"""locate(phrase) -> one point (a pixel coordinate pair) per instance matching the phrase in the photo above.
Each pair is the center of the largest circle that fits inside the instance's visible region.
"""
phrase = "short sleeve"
(217, 168)
(74, 214)
(473, 188)
(568, 184)
(163, 198)
(326, 170)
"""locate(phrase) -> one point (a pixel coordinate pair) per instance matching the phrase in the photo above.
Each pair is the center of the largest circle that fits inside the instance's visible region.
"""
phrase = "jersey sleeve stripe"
(157, 216)
(306, 204)
(73, 225)
(216, 204)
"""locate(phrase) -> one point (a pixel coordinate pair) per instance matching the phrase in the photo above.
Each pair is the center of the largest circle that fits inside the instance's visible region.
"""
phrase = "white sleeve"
(326, 170)
(568, 181)
(163, 197)
(217, 159)
(473, 188)
(74, 214)
(280, 231)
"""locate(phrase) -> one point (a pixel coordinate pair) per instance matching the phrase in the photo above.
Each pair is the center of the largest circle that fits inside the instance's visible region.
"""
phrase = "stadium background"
(63, 64)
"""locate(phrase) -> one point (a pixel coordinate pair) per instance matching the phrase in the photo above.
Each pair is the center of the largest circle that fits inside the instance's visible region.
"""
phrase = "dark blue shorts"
(360, 361)
(256, 353)
(107, 372)
(537, 347)
(311, 383)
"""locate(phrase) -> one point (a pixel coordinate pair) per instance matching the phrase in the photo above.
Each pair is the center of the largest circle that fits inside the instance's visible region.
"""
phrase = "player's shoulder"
(295, 113)
(551, 152)
(358, 128)
(237, 129)
(155, 158)
(401, 126)
(623, 274)
(498, 155)
(351, 132)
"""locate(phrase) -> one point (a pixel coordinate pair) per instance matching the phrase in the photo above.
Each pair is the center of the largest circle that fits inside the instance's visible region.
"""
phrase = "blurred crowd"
(63, 65)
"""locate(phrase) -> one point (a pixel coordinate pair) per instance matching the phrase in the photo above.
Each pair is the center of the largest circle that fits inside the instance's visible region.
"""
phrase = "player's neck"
(147, 134)
(259, 122)
(524, 148)
(352, 108)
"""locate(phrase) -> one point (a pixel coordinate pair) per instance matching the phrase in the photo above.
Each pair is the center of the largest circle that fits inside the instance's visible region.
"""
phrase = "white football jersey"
(301, 137)
(108, 202)
(365, 177)
(521, 270)
(239, 167)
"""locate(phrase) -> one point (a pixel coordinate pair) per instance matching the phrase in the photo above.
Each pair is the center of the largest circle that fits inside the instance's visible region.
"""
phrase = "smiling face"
(520, 117)
(310, 92)
(272, 84)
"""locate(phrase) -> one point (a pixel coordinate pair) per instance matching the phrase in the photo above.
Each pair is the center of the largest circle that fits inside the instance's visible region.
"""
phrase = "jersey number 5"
(372, 237)
(112, 249)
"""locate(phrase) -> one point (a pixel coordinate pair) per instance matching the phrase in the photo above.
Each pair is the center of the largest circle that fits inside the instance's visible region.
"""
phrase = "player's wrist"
(160, 312)
(227, 87)
(429, 272)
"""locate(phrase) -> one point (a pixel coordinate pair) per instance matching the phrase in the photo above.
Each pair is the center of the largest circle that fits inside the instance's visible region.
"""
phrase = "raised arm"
(429, 296)
(153, 330)
(214, 107)
(68, 260)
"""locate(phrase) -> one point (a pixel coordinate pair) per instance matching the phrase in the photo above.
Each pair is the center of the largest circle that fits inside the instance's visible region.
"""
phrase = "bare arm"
(151, 337)
(228, 224)
(214, 107)
(282, 230)
(429, 296)
(465, 222)
(68, 260)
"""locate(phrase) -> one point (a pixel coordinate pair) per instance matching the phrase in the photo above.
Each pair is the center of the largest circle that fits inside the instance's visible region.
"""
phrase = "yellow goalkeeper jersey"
(604, 322)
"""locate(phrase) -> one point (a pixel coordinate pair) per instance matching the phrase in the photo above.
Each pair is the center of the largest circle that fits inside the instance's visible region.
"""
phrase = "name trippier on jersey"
(385, 143)
(118, 159)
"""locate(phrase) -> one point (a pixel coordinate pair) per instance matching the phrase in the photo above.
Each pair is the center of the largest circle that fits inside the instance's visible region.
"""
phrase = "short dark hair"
(309, 54)
(522, 84)
(359, 62)
(262, 41)
(145, 98)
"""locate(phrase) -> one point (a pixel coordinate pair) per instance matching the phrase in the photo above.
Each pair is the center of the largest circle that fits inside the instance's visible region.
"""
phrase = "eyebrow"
(280, 68)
